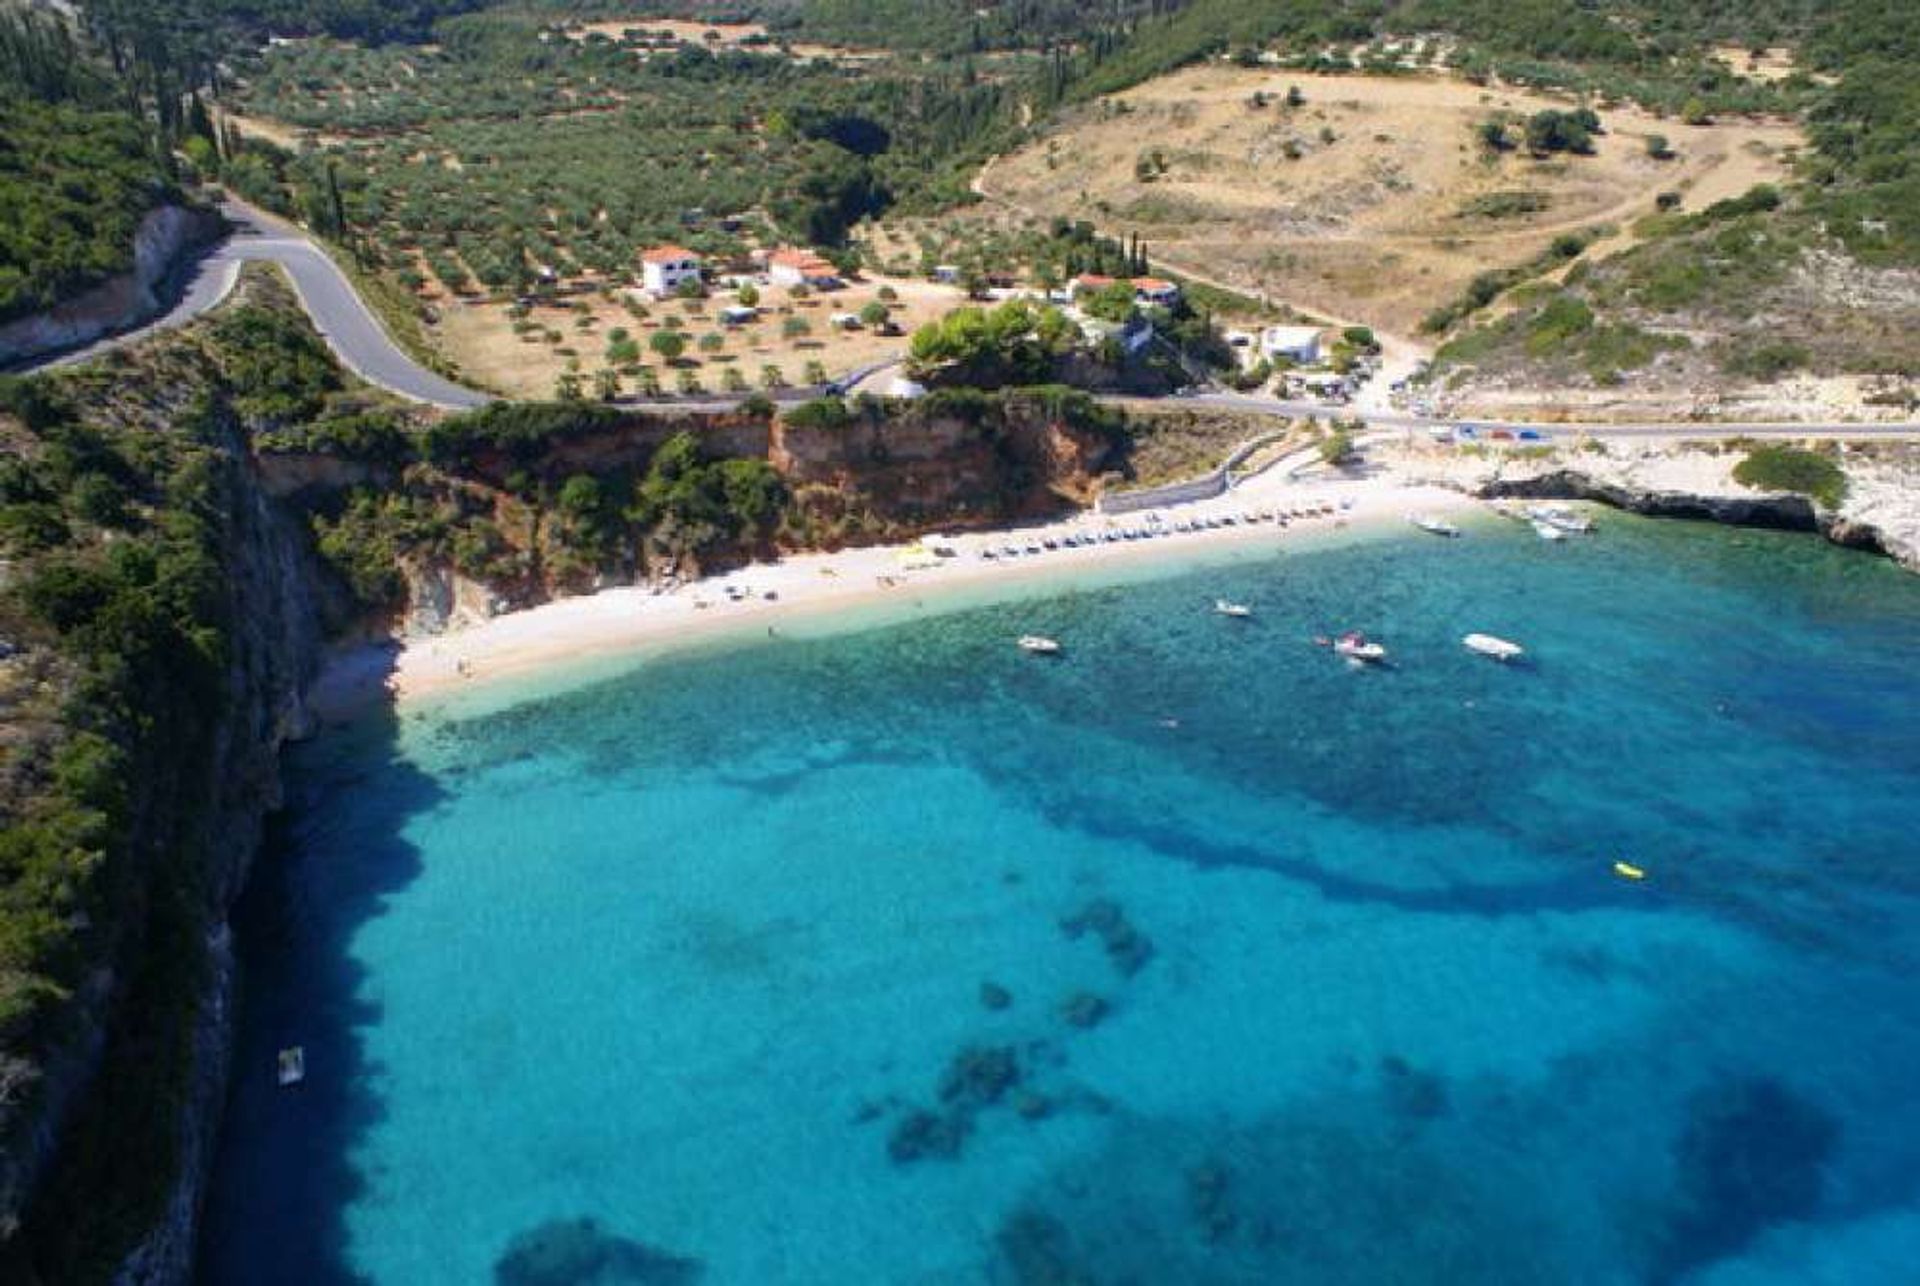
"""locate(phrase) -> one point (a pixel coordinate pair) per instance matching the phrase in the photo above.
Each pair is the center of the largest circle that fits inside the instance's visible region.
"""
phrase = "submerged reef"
(1752, 1154)
(1127, 947)
(579, 1252)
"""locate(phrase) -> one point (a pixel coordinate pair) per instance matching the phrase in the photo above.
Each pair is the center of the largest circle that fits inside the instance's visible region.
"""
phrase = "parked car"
(1532, 435)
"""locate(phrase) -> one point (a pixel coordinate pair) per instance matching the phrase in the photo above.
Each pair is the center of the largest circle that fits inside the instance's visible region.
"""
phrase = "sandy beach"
(807, 590)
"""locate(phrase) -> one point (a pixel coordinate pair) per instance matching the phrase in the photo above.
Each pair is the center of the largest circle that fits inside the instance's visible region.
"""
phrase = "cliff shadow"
(284, 1173)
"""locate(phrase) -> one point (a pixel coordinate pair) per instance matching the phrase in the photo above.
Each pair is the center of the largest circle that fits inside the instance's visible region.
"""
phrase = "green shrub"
(1783, 468)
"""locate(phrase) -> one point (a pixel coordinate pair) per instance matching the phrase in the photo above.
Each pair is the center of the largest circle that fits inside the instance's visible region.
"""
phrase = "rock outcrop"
(1880, 512)
(121, 301)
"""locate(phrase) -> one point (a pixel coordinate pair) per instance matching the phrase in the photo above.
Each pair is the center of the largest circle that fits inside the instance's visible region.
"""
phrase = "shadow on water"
(284, 1174)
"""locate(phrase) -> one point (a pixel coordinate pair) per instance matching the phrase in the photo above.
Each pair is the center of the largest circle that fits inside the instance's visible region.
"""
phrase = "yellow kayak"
(1628, 871)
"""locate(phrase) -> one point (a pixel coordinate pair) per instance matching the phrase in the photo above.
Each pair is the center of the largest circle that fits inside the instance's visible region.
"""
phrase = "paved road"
(349, 327)
(357, 337)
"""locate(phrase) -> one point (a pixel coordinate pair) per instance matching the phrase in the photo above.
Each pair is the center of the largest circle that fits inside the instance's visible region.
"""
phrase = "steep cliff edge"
(165, 236)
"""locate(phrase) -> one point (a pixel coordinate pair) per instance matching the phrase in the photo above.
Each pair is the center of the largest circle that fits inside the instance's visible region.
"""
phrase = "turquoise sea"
(1194, 956)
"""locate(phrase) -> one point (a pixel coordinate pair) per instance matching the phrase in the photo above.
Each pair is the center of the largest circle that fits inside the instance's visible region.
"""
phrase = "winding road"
(342, 318)
(364, 347)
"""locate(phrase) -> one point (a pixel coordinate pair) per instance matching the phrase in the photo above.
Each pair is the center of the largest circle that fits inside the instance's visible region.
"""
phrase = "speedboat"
(1433, 525)
(1357, 647)
(1498, 648)
(291, 1066)
(1547, 531)
(1628, 871)
(1565, 519)
(1039, 644)
(1225, 608)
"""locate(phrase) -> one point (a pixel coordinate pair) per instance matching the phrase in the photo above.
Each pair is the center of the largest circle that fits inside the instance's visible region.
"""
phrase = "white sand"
(811, 588)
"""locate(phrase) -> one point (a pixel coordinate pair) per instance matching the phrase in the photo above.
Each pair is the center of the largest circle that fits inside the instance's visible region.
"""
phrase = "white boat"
(1547, 531)
(1433, 525)
(1225, 608)
(1039, 644)
(1565, 519)
(1356, 646)
(1489, 645)
(292, 1065)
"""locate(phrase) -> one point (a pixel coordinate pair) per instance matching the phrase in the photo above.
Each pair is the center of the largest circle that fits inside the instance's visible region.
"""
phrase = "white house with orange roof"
(664, 268)
(1156, 292)
(794, 267)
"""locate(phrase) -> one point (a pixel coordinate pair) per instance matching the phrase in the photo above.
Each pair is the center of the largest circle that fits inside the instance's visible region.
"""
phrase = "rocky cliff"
(127, 299)
(1880, 511)
(134, 1081)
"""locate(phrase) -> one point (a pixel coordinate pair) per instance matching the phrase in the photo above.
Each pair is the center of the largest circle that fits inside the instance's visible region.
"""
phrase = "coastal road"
(364, 347)
(342, 318)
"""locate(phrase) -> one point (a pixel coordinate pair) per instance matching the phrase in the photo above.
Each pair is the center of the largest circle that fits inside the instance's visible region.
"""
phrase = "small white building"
(791, 267)
(1155, 292)
(1298, 344)
(664, 268)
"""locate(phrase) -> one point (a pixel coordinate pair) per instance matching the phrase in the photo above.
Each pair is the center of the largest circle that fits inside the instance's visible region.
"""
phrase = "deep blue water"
(1304, 974)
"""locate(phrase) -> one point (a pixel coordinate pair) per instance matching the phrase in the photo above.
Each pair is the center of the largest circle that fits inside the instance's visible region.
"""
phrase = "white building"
(663, 268)
(792, 267)
(1156, 292)
(1298, 344)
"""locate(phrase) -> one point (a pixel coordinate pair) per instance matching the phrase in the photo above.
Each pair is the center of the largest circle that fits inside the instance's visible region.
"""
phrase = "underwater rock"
(1084, 1009)
(922, 1134)
(1038, 1251)
(1207, 1195)
(980, 1075)
(1412, 1094)
(994, 996)
(578, 1252)
(1127, 947)
(1102, 916)
(1031, 1105)
(1753, 1154)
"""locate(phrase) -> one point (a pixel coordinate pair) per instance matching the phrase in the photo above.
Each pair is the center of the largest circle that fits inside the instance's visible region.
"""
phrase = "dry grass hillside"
(1372, 200)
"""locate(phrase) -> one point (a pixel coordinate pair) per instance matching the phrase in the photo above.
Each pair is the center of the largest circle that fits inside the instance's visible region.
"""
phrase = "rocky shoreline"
(1664, 478)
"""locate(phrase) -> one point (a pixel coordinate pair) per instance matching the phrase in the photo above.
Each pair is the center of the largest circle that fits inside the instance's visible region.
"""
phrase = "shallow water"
(1309, 974)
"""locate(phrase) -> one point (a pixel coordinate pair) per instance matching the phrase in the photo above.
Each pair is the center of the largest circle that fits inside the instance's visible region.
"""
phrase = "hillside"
(1368, 198)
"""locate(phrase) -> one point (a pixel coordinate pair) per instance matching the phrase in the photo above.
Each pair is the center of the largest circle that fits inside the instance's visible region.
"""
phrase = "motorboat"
(1628, 871)
(1225, 608)
(1433, 525)
(1567, 520)
(1547, 531)
(1491, 646)
(1039, 645)
(1356, 646)
(291, 1066)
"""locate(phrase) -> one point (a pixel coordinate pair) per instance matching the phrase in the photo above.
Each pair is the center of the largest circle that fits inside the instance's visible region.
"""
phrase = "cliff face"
(119, 302)
(279, 598)
(197, 827)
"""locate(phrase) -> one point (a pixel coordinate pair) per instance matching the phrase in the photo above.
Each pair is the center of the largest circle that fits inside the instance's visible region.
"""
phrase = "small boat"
(1567, 520)
(1225, 608)
(1432, 525)
(1547, 531)
(1489, 645)
(1356, 646)
(292, 1065)
(1628, 871)
(1039, 644)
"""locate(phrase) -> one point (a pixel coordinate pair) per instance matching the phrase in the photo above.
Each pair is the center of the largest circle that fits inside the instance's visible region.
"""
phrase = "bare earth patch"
(1373, 200)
